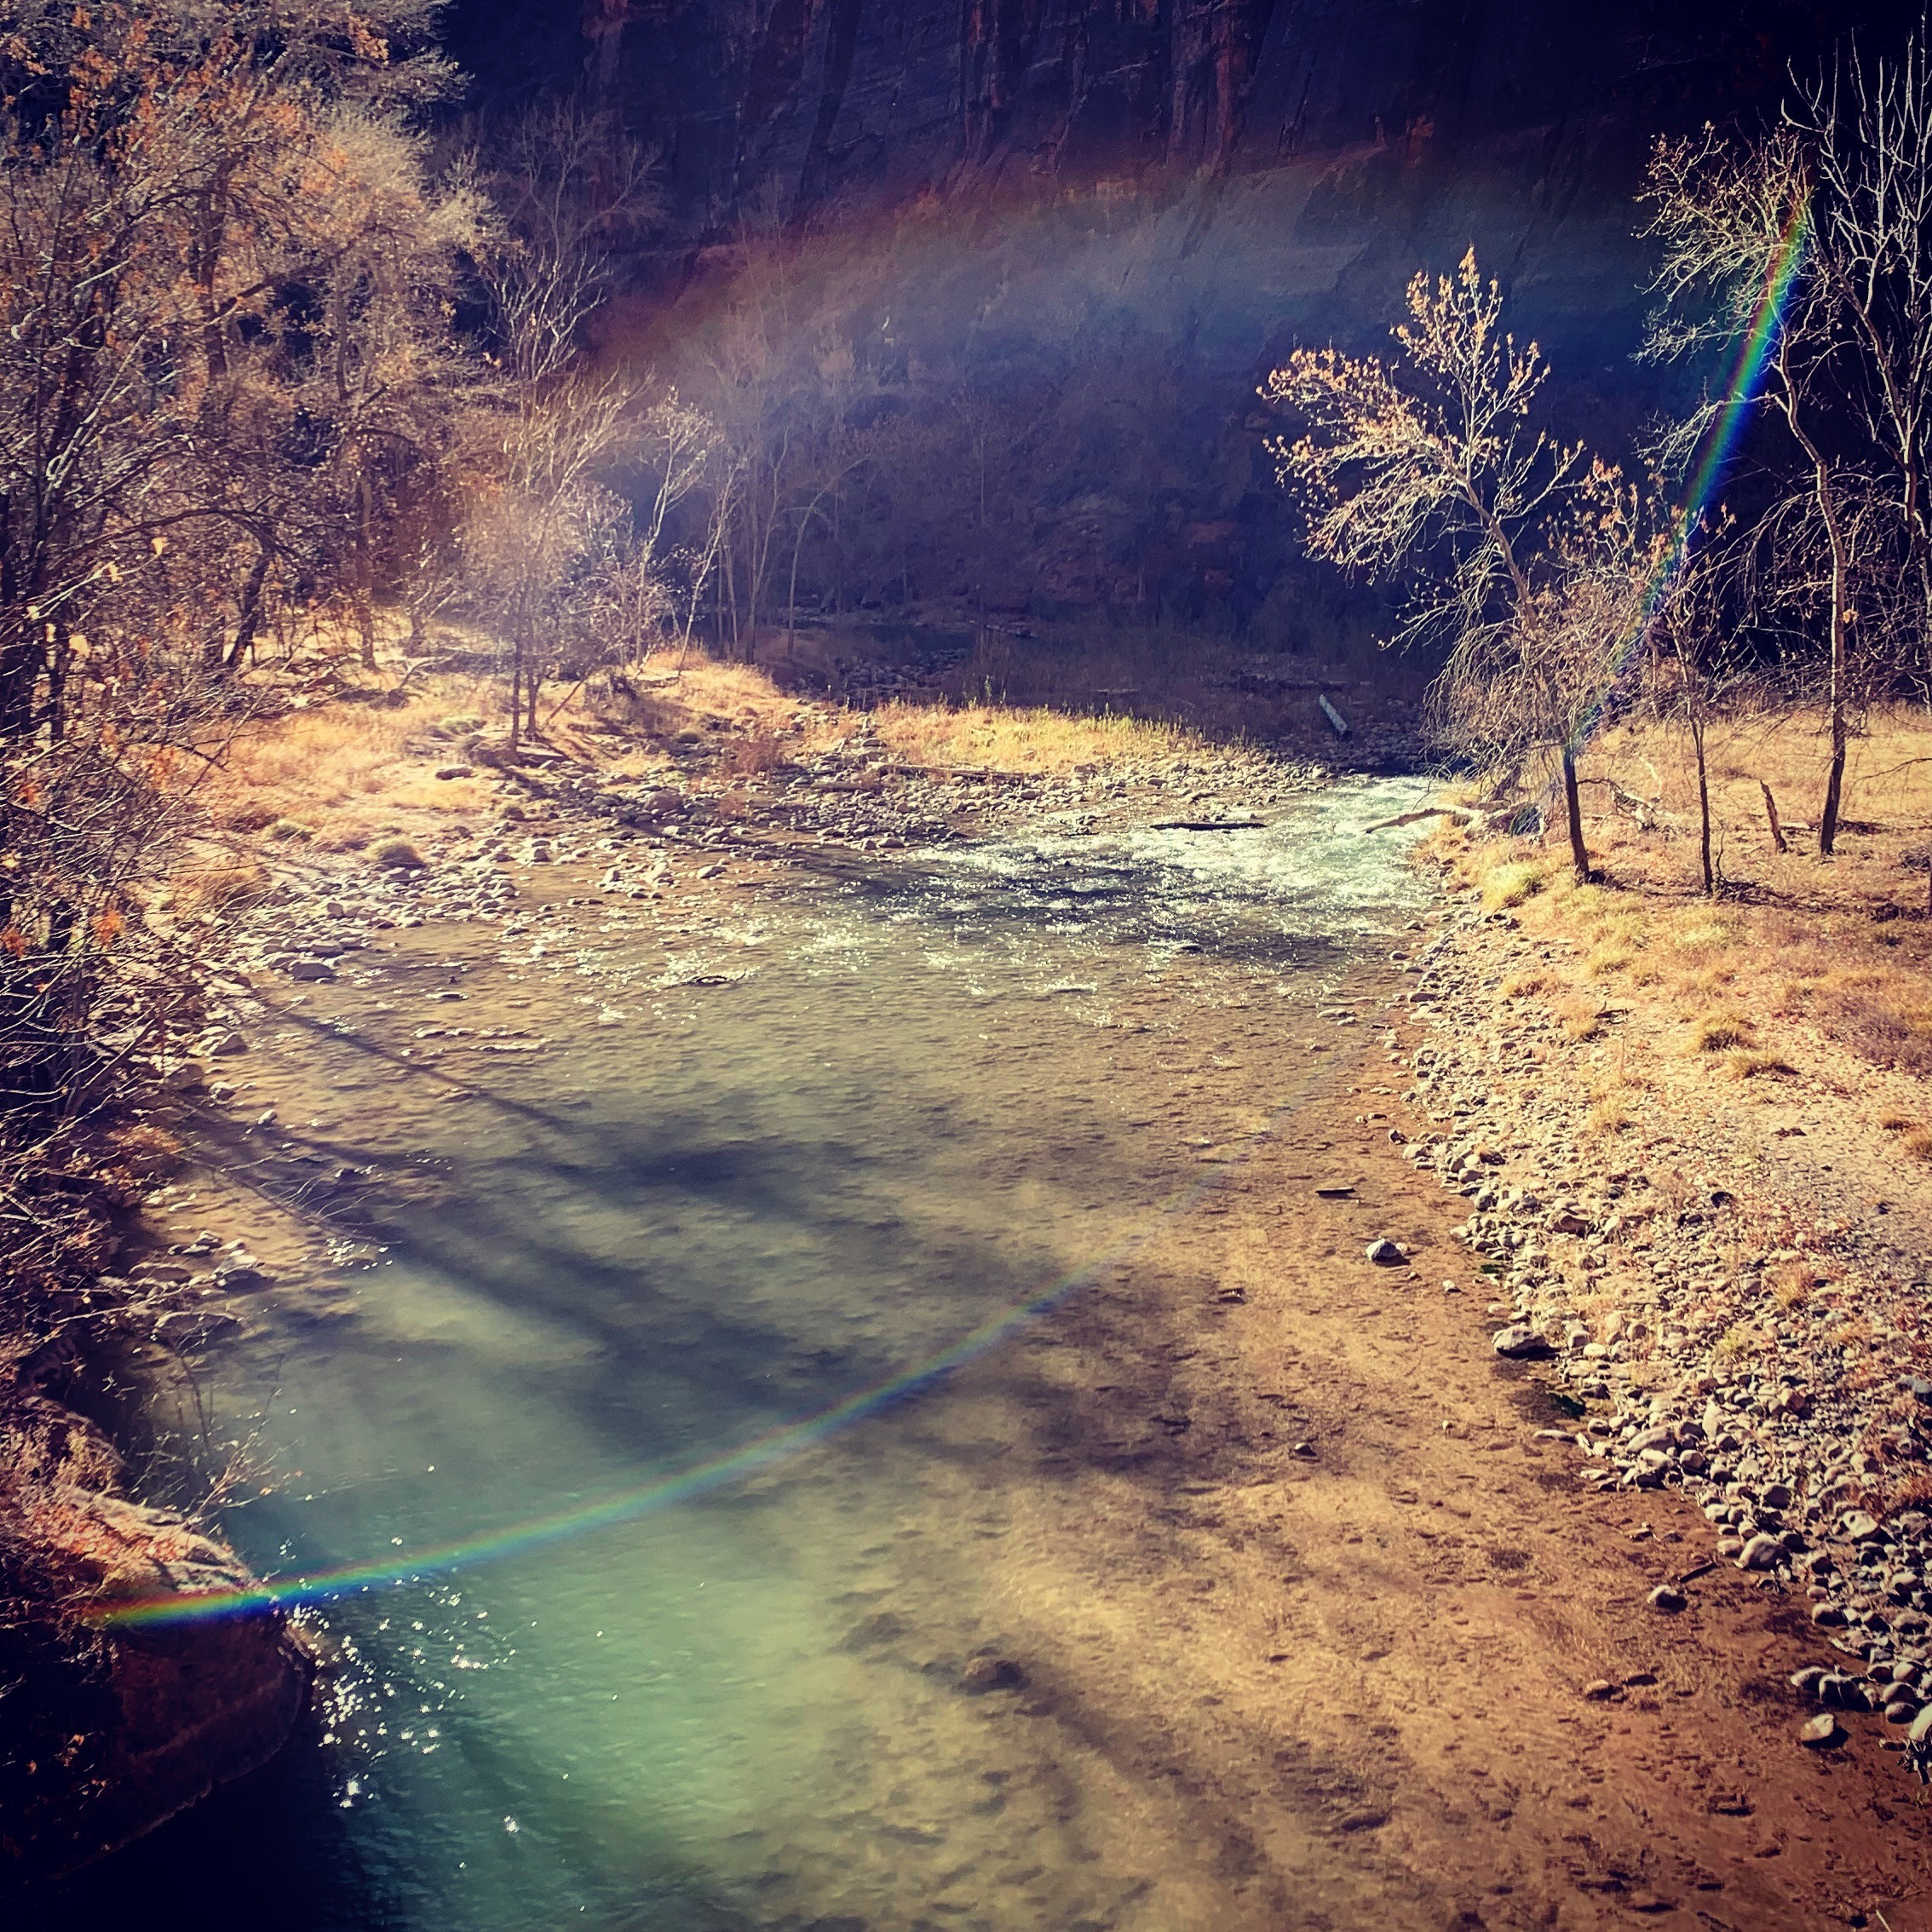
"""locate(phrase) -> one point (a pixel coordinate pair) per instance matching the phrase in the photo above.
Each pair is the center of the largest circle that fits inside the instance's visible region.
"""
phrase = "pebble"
(1385, 1253)
(1667, 1599)
(1819, 1733)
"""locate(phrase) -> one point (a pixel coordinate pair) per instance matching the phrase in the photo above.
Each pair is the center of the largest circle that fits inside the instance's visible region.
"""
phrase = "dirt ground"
(1344, 1652)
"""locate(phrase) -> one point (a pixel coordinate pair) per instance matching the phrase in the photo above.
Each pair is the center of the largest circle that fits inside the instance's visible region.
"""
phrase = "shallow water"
(704, 1213)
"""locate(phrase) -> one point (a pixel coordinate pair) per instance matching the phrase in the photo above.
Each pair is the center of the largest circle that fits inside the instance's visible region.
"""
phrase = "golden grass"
(1755, 1066)
(1718, 1033)
(1513, 883)
(204, 888)
(1737, 1341)
(1581, 1021)
(335, 773)
(995, 738)
(1524, 986)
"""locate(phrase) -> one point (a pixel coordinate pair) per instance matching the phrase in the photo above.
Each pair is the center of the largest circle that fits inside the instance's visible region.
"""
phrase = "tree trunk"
(1703, 809)
(248, 618)
(1841, 623)
(1572, 811)
(1835, 778)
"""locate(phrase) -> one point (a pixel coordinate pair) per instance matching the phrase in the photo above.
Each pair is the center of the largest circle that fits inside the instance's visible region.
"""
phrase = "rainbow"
(1741, 399)
(324, 1586)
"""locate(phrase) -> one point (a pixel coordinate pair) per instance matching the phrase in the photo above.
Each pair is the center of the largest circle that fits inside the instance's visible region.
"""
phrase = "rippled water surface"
(704, 1213)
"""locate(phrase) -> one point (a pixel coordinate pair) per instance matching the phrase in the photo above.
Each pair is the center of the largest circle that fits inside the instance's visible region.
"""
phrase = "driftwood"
(1777, 839)
(1209, 825)
(1646, 813)
(1334, 717)
(1448, 812)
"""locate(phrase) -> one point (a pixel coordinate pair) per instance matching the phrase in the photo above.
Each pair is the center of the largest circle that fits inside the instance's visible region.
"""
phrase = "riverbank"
(1257, 1544)
(1696, 1195)
(1245, 1586)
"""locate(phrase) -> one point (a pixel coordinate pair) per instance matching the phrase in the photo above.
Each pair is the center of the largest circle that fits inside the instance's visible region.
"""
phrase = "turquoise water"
(702, 1213)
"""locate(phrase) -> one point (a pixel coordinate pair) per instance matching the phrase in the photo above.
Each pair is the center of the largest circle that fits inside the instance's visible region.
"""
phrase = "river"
(665, 1479)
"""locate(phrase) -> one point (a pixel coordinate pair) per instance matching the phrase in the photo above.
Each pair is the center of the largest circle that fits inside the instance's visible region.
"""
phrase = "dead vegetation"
(1793, 939)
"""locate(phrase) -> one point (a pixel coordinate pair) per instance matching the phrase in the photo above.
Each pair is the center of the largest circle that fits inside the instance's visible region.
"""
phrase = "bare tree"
(1521, 552)
(1741, 253)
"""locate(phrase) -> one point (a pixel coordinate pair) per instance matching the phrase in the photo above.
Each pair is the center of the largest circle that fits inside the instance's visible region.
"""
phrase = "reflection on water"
(648, 1247)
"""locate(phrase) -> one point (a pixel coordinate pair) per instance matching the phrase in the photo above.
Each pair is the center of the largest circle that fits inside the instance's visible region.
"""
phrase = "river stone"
(1921, 1731)
(984, 1674)
(1762, 1552)
(1384, 1252)
(1819, 1733)
(1666, 1599)
(1519, 1341)
(311, 969)
(1859, 1525)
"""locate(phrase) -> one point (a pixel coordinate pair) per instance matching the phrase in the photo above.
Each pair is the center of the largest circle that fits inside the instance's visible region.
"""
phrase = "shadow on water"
(917, 1112)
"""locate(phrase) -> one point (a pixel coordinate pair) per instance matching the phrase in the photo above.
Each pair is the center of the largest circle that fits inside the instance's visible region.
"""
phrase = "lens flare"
(1741, 398)
(324, 1586)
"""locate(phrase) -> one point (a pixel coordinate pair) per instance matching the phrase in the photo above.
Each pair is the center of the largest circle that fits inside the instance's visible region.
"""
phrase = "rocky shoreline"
(1725, 1312)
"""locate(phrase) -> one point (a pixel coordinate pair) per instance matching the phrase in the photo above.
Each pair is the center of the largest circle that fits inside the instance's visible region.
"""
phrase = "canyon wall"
(1095, 224)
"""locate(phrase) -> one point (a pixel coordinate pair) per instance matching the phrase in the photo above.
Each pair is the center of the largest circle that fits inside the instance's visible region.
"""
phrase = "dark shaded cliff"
(787, 105)
(1058, 242)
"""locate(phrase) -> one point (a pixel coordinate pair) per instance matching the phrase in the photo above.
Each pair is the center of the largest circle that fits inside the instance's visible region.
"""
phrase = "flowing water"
(679, 1669)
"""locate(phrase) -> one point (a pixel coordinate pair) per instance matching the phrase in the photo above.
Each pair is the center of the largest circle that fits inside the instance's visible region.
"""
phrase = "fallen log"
(1449, 812)
(1209, 825)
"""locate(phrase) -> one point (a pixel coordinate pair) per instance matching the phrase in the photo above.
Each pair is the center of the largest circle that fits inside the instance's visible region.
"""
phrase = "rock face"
(792, 105)
(115, 1729)
(1104, 222)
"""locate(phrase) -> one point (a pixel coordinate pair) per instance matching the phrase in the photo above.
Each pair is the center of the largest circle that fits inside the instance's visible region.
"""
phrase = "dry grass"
(1719, 1033)
(1526, 985)
(983, 737)
(337, 774)
(1796, 945)
(1513, 883)
(1582, 1019)
(206, 887)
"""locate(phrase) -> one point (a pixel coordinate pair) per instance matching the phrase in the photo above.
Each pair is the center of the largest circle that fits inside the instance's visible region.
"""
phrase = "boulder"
(1520, 1342)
